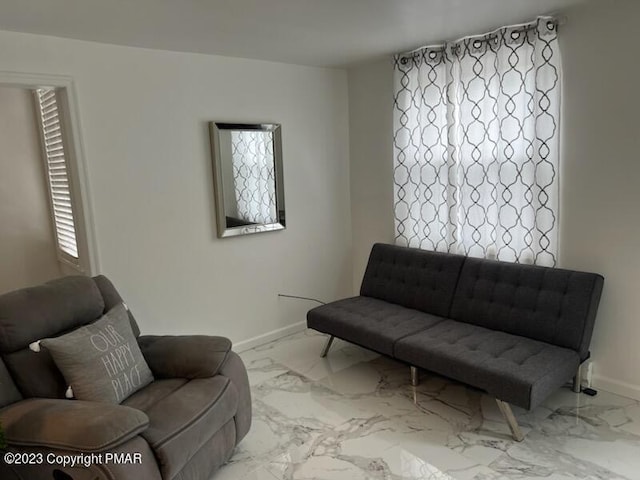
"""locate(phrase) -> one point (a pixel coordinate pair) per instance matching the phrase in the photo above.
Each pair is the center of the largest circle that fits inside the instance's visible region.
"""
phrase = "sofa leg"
(508, 415)
(327, 346)
(577, 380)
(415, 376)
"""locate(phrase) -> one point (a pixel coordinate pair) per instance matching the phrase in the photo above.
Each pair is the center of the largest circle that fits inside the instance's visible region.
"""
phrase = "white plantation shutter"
(57, 174)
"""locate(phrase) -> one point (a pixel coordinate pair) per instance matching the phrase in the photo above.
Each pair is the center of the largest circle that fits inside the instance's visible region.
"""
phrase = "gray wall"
(144, 116)
(600, 224)
(27, 245)
(371, 150)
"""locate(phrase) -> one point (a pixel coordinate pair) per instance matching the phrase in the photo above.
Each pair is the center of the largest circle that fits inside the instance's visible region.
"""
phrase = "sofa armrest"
(73, 425)
(189, 356)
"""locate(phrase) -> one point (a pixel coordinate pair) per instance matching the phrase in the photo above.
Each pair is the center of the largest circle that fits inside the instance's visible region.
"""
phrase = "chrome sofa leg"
(415, 376)
(327, 346)
(508, 415)
(577, 380)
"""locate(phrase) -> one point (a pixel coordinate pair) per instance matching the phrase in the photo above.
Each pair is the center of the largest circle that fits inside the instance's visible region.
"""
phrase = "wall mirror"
(248, 179)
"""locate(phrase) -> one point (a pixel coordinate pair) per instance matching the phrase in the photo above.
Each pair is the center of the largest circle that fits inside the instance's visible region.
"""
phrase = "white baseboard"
(269, 336)
(618, 387)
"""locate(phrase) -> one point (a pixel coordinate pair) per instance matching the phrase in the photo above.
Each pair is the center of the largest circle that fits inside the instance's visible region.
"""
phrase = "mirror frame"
(214, 131)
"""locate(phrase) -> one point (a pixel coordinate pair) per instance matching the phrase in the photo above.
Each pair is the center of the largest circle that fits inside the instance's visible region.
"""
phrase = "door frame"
(76, 161)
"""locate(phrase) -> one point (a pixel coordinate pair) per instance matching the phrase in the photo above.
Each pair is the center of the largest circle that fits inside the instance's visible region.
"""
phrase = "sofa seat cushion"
(369, 322)
(183, 416)
(512, 368)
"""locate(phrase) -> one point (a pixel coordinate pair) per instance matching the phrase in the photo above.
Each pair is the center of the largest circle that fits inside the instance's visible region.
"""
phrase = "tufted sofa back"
(48, 310)
(413, 278)
(548, 304)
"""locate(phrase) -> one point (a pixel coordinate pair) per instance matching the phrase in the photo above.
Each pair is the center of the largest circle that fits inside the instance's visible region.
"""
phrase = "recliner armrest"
(189, 356)
(73, 425)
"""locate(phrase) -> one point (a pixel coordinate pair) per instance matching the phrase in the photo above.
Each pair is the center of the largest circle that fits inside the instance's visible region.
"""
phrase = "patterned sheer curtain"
(254, 175)
(476, 145)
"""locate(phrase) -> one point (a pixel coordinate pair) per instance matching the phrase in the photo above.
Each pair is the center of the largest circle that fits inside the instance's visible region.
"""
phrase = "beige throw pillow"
(102, 361)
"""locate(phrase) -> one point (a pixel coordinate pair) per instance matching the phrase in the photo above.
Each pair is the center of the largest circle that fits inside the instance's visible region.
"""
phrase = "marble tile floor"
(354, 415)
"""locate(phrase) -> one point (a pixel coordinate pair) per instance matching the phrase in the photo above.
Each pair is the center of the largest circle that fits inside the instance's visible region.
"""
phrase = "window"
(57, 172)
(476, 145)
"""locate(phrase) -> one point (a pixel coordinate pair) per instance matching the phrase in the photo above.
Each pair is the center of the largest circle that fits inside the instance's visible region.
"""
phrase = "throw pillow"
(102, 361)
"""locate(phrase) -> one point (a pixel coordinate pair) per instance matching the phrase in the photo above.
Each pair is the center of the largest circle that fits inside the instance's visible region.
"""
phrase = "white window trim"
(89, 262)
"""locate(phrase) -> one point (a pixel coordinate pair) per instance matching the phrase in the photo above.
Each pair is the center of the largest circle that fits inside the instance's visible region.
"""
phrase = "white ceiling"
(308, 32)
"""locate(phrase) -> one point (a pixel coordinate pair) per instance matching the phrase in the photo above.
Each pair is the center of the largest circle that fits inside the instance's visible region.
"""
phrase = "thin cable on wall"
(302, 298)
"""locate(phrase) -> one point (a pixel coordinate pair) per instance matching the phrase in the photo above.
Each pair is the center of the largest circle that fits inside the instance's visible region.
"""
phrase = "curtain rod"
(558, 21)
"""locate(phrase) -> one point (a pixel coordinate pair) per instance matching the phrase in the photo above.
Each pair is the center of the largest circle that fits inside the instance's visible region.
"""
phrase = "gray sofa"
(516, 331)
(182, 426)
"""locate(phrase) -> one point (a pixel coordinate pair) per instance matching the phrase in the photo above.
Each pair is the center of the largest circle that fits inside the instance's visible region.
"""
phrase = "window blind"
(57, 174)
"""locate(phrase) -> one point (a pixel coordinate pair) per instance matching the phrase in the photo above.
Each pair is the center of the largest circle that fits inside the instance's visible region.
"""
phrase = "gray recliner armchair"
(182, 426)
